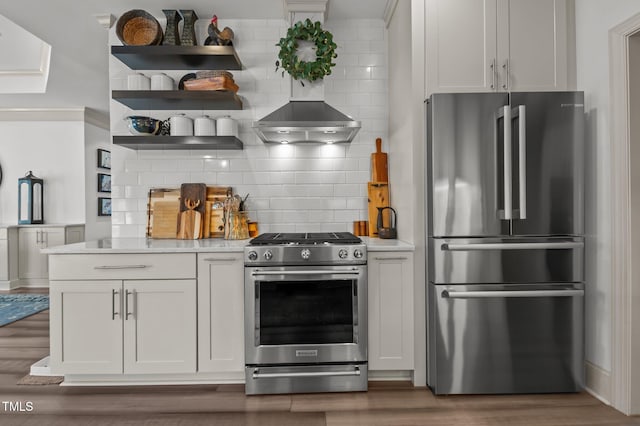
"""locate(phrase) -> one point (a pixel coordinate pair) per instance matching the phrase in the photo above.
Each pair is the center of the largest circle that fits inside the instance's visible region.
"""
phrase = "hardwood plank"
(386, 403)
(217, 419)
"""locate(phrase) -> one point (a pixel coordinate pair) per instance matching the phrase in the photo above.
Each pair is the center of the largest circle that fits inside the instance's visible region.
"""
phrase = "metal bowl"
(140, 125)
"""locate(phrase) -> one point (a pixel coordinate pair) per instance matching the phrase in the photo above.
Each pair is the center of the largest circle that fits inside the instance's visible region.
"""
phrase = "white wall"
(54, 151)
(95, 226)
(594, 18)
(292, 188)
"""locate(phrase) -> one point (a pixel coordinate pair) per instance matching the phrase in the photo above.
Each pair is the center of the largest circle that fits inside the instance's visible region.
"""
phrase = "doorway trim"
(622, 338)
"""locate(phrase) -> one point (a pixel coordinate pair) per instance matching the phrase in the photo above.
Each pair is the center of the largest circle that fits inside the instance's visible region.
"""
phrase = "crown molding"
(304, 6)
(105, 20)
(86, 115)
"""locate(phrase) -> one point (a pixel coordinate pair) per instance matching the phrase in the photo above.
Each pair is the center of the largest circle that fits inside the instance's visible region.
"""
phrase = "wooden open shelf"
(178, 99)
(178, 142)
(178, 57)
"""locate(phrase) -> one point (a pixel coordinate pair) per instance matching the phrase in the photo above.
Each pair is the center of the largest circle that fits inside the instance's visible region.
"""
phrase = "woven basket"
(214, 73)
(138, 28)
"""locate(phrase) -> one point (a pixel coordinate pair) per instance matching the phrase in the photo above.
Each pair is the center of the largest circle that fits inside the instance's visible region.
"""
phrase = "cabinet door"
(159, 326)
(220, 312)
(460, 45)
(391, 311)
(86, 327)
(32, 263)
(532, 44)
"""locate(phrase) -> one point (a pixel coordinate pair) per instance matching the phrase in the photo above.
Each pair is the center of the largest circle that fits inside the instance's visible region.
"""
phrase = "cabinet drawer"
(122, 266)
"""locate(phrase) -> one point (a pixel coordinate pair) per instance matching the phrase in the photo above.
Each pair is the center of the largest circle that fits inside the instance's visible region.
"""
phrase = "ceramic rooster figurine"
(217, 37)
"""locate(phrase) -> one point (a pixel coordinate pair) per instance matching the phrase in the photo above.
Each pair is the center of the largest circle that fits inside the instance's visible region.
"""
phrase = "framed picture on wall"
(104, 206)
(104, 182)
(104, 159)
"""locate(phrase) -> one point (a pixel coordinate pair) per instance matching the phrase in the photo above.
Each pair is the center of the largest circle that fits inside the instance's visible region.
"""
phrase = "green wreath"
(325, 51)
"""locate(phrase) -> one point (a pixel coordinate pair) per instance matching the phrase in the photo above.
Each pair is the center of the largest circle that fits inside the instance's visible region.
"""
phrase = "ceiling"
(79, 59)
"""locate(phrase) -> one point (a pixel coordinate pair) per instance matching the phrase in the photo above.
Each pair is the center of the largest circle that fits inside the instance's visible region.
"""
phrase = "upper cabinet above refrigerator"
(500, 45)
(505, 164)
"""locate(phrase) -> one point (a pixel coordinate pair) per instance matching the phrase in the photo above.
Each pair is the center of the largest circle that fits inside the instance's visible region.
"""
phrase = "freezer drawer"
(506, 260)
(506, 338)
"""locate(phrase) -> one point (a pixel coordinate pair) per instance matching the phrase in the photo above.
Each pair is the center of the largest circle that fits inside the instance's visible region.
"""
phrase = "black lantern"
(30, 200)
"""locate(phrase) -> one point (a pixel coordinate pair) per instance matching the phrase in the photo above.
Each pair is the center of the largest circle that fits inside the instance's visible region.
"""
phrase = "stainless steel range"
(305, 313)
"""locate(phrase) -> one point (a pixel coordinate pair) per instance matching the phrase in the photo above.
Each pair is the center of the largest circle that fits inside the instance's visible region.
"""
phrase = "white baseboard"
(9, 285)
(598, 382)
(384, 375)
(42, 368)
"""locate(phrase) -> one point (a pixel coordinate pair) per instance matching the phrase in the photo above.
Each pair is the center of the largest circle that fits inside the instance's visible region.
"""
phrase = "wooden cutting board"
(164, 219)
(378, 193)
(379, 166)
(190, 220)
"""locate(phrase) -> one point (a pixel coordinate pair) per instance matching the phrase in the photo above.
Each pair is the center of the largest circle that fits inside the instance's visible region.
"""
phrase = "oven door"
(305, 314)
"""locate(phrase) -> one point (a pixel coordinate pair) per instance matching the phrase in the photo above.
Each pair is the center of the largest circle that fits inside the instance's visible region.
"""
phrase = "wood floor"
(386, 403)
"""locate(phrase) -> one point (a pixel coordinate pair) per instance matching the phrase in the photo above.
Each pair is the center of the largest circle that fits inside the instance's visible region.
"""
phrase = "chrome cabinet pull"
(493, 73)
(447, 294)
(258, 375)
(126, 304)
(512, 246)
(121, 267)
(114, 292)
(222, 259)
(390, 258)
(505, 67)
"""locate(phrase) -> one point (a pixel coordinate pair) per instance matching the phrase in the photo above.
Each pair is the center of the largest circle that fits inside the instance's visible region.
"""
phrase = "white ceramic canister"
(227, 126)
(180, 125)
(204, 126)
(138, 81)
(161, 82)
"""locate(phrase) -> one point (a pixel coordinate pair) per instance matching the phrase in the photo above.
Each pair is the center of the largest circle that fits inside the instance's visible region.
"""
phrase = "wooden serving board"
(190, 221)
(379, 164)
(378, 193)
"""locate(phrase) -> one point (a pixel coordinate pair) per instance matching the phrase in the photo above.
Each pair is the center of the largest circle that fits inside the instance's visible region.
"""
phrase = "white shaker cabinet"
(497, 45)
(391, 328)
(115, 314)
(8, 258)
(33, 266)
(220, 312)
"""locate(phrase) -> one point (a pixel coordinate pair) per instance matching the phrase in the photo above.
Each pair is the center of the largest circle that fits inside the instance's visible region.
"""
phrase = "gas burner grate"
(305, 238)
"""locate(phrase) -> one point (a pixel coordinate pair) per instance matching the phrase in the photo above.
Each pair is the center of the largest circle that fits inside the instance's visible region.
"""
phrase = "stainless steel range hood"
(306, 121)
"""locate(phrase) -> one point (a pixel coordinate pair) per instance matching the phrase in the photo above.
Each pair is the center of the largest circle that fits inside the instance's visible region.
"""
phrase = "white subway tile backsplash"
(293, 188)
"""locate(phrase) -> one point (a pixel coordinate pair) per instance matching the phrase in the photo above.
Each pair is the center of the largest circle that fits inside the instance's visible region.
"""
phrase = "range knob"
(305, 253)
(268, 255)
(343, 253)
(253, 255)
(357, 253)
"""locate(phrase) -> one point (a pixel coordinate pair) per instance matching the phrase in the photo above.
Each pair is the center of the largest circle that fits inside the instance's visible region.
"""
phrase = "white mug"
(227, 126)
(204, 126)
(138, 81)
(161, 82)
(180, 125)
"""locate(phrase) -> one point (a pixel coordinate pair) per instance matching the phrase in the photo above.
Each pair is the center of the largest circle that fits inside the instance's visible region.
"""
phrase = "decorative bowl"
(140, 125)
(138, 28)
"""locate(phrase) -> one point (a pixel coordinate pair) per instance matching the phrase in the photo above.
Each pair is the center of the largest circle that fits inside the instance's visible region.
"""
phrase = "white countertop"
(42, 225)
(212, 245)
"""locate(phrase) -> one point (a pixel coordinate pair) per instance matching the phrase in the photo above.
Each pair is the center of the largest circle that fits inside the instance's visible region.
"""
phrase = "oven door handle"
(258, 375)
(353, 271)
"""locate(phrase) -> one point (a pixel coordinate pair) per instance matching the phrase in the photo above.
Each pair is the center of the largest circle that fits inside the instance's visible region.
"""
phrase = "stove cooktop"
(305, 238)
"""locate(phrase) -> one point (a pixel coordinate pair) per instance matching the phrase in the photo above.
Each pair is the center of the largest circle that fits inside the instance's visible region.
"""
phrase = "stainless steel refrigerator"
(505, 242)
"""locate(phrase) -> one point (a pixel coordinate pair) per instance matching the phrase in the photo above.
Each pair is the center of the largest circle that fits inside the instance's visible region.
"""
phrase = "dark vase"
(171, 35)
(188, 37)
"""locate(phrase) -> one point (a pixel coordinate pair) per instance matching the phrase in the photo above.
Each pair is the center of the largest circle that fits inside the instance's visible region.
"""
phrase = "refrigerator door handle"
(505, 113)
(512, 246)
(522, 159)
(447, 294)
